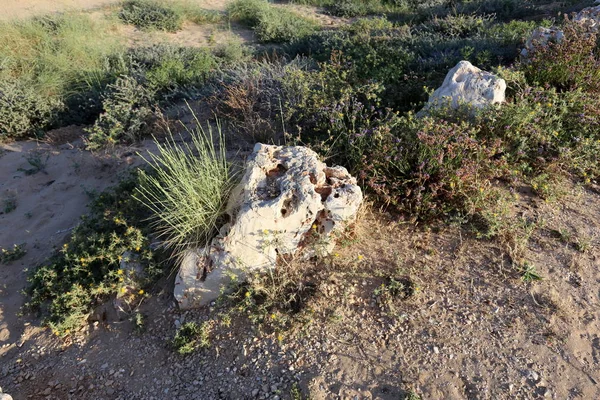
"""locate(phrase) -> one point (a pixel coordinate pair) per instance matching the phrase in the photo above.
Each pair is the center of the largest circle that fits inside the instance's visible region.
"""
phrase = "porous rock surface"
(467, 84)
(286, 199)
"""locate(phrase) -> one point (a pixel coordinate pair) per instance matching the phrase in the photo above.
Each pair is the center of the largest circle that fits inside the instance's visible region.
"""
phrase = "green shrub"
(127, 111)
(150, 14)
(548, 130)
(24, 112)
(86, 271)
(188, 190)
(46, 62)
(573, 63)
(271, 24)
(252, 98)
(171, 72)
(457, 25)
(357, 8)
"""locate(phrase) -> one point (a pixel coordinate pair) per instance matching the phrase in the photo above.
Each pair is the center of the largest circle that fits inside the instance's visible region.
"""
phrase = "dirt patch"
(19, 9)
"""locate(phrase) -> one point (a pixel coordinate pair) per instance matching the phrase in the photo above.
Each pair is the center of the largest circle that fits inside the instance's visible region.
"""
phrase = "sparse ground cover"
(472, 272)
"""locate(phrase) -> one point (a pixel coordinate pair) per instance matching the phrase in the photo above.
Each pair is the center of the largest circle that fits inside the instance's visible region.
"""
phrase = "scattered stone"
(286, 199)
(532, 375)
(466, 84)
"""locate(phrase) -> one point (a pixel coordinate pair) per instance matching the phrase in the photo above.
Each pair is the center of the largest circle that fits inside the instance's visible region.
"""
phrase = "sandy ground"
(18, 9)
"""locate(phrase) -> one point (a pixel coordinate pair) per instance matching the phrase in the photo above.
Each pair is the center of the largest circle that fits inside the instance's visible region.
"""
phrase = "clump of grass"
(37, 161)
(188, 189)
(192, 336)
(271, 24)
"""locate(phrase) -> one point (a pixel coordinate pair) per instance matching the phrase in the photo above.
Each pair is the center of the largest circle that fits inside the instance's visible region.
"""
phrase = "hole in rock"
(324, 191)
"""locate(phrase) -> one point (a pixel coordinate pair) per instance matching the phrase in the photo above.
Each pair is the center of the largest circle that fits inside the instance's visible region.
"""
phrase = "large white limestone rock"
(467, 84)
(286, 198)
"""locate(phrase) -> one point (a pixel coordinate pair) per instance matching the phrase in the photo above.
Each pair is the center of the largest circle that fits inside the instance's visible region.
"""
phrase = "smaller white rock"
(589, 17)
(540, 37)
(5, 396)
(467, 84)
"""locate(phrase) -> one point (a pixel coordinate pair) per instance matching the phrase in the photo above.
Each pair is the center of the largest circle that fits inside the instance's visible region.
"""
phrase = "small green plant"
(9, 203)
(188, 189)
(583, 243)
(139, 322)
(529, 273)
(564, 235)
(192, 336)
(296, 392)
(273, 299)
(150, 14)
(37, 161)
(411, 395)
(18, 251)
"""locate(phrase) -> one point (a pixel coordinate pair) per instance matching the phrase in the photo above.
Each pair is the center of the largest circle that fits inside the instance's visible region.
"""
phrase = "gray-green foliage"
(127, 111)
(24, 112)
(149, 14)
(188, 190)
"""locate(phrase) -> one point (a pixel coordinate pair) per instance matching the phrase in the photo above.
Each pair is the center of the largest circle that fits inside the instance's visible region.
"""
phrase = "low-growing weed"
(9, 255)
(139, 322)
(583, 243)
(192, 336)
(37, 161)
(9, 203)
(529, 273)
(274, 298)
(87, 269)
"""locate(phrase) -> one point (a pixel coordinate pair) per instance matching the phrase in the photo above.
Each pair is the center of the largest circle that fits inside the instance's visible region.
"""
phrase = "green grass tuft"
(189, 188)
